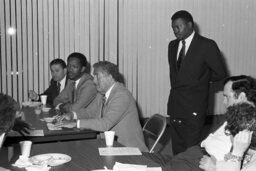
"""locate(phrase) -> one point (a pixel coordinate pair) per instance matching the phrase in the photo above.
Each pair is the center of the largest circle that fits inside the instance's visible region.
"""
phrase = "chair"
(154, 127)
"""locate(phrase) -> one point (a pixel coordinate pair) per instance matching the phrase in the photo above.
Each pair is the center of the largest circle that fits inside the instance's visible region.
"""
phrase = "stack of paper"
(119, 151)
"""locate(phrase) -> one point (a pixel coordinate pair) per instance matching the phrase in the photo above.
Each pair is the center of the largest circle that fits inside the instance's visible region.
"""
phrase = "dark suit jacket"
(84, 94)
(119, 114)
(201, 65)
(52, 92)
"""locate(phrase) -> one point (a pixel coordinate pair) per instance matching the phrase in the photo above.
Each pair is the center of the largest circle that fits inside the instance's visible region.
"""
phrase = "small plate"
(31, 104)
(49, 119)
(46, 109)
(51, 159)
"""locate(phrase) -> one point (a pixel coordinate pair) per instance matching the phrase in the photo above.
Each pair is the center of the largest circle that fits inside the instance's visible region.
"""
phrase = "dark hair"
(8, 108)
(80, 57)
(239, 117)
(243, 83)
(109, 68)
(185, 15)
(59, 62)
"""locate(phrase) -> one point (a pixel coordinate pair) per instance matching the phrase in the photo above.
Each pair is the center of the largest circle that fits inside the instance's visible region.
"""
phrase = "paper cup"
(43, 99)
(25, 147)
(109, 137)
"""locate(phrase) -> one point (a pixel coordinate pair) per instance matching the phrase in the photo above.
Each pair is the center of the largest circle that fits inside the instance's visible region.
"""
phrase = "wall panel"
(131, 33)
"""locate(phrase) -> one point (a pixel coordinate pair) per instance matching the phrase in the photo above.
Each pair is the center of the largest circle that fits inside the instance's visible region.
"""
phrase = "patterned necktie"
(103, 104)
(181, 54)
(73, 91)
(58, 87)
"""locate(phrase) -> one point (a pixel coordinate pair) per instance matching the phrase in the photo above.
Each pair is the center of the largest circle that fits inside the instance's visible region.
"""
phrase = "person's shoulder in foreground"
(8, 108)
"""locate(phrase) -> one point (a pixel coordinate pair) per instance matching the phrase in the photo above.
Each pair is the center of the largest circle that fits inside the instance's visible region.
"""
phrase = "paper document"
(130, 167)
(35, 133)
(119, 151)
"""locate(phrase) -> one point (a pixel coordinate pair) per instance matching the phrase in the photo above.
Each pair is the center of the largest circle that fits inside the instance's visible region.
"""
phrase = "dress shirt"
(2, 139)
(57, 107)
(109, 91)
(188, 42)
(218, 143)
(62, 83)
(106, 95)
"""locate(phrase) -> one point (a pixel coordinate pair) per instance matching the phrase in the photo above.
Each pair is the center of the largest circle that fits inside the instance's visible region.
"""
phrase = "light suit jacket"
(119, 114)
(85, 93)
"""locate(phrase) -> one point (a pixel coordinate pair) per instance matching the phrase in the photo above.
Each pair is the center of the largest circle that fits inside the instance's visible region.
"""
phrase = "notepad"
(36, 132)
(119, 151)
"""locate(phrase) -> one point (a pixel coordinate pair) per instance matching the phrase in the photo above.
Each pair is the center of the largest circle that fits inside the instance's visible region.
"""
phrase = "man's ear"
(242, 97)
(65, 71)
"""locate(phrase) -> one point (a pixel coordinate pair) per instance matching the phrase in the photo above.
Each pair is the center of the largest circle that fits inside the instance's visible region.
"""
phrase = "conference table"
(40, 132)
(85, 156)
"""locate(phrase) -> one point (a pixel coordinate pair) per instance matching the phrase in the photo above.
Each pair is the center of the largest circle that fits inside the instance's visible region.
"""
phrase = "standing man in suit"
(194, 62)
(114, 108)
(80, 90)
(57, 83)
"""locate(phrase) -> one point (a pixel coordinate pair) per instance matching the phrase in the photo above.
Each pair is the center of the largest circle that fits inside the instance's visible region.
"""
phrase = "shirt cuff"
(78, 124)
(74, 115)
(58, 106)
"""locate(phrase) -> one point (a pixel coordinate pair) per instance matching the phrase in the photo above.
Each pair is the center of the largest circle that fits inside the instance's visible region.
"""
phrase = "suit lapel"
(188, 59)
(83, 79)
(112, 93)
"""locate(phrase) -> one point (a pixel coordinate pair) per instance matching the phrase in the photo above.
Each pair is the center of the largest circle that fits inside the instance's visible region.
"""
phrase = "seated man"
(237, 89)
(8, 110)
(57, 84)
(80, 90)
(114, 108)
(241, 128)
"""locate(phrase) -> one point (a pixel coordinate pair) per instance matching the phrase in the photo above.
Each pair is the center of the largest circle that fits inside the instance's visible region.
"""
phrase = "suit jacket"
(52, 91)
(201, 65)
(120, 115)
(84, 94)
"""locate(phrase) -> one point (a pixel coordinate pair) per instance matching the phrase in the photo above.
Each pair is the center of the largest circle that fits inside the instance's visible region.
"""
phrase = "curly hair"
(240, 117)
(8, 108)
(243, 83)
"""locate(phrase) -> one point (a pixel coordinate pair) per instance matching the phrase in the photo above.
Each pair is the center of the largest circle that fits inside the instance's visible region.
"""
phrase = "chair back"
(155, 126)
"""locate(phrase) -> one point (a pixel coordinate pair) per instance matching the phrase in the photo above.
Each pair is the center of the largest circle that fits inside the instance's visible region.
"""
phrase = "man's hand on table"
(66, 116)
(67, 124)
(65, 107)
(21, 126)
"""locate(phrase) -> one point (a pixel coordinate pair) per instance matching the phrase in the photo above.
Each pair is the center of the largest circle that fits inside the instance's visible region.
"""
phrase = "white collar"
(77, 81)
(2, 139)
(62, 83)
(109, 91)
(188, 40)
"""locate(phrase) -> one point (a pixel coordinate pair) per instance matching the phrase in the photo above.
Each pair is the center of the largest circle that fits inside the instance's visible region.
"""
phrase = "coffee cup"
(25, 147)
(43, 99)
(109, 137)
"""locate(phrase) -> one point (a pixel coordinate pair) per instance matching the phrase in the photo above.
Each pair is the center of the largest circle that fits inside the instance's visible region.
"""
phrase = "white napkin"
(38, 168)
(24, 162)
